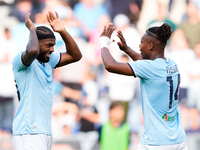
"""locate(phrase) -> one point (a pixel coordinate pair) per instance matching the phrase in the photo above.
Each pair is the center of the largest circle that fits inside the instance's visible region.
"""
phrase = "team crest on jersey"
(170, 119)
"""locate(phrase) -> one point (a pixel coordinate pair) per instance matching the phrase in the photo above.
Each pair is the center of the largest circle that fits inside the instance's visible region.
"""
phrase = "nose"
(140, 46)
(51, 49)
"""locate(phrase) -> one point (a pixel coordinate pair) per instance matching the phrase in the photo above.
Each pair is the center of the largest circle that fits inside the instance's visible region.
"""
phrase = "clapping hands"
(107, 31)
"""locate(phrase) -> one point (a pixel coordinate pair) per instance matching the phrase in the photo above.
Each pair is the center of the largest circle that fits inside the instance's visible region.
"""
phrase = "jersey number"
(18, 94)
(170, 80)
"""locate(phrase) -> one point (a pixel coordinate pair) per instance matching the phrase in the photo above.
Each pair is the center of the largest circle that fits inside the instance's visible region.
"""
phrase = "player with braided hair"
(33, 76)
(159, 79)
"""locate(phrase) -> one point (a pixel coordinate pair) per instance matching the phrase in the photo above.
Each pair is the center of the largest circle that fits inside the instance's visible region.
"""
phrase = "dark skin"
(150, 48)
(42, 49)
(46, 48)
(32, 48)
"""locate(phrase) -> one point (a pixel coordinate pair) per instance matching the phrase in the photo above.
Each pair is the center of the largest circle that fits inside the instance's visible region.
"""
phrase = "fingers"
(51, 17)
(56, 15)
(29, 24)
(119, 34)
(48, 18)
(104, 31)
(27, 15)
(110, 29)
(119, 44)
(122, 43)
(107, 31)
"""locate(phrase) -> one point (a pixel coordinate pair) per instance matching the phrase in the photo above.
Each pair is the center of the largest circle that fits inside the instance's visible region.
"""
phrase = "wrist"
(104, 41)
(62, 31)
(126, 49)
(32, 28)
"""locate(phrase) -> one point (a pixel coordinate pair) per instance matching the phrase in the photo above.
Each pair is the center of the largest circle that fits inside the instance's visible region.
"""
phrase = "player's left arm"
(72, 53)
(124, 47)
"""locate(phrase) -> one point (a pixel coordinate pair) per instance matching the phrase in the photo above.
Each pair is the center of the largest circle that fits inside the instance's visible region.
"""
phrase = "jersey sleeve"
(54, 59)
(142, 69)
(17, 62)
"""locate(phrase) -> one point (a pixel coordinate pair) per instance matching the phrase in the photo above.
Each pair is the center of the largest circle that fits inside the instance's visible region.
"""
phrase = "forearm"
(108, 60)
(113, 66)
(33, 44)
(134, 55)
(71, 46)
(32, 48)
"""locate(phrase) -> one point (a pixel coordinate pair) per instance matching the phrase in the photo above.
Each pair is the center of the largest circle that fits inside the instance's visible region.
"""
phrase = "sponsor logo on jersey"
(170, 119)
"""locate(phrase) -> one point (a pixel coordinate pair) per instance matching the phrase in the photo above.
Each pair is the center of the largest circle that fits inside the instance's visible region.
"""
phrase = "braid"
(44, 33)
(162, 33)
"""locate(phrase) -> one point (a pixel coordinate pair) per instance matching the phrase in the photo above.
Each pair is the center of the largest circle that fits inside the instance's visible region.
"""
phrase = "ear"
(151, 44)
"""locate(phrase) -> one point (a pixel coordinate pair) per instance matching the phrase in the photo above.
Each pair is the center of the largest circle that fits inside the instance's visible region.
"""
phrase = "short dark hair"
(162, 33)
(44, 32)
(115, 104)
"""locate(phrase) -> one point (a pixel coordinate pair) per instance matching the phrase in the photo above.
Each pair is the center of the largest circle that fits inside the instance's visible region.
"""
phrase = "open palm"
(54, 21)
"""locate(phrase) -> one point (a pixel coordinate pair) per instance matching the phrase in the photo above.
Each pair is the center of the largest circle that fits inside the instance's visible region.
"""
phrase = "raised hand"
(54, 21)
(29, 24)
(107, 31)
(122, 44)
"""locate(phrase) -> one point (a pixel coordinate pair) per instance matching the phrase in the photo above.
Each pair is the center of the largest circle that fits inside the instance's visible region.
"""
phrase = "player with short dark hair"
(33, 75)
(159, 79)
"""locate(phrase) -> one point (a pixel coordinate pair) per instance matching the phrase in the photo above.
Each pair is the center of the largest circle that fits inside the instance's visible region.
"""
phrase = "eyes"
(50, 45)
(141, 43)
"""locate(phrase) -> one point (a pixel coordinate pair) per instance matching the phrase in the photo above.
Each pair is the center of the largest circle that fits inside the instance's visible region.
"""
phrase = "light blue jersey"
(34, 84)
(159, 80)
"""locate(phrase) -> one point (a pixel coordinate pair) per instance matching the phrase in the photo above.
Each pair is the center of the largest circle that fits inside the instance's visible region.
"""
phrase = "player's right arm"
(109, 62)
(32, 48)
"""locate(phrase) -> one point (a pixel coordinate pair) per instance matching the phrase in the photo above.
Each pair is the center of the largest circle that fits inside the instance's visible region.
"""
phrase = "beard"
(41, 57)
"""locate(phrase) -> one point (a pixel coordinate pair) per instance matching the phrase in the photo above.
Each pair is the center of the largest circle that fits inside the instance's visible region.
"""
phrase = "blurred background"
(83, 91)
